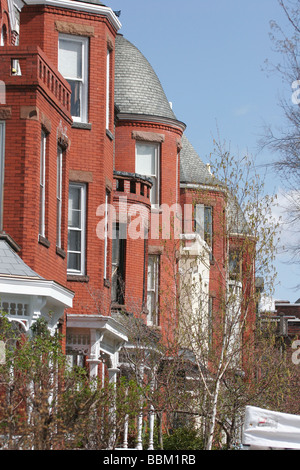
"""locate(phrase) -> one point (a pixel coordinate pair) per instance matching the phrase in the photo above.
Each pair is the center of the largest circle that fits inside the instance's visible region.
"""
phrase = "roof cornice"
(153, 119)
(80, 6)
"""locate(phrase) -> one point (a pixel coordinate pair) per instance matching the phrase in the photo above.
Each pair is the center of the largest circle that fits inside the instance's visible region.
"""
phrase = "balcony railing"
(135, 187)
(29, 66)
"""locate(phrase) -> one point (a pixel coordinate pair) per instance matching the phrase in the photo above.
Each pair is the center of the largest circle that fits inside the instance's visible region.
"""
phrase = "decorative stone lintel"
(148, 136)
(155, 250)
(75, 29)
(30, 112)
(5, 112)
(80, 176)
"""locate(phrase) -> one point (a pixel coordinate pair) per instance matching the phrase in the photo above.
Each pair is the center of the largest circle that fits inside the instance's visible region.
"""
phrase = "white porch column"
(94, 355)
(139, 445)
(151, 428)
(151, 415)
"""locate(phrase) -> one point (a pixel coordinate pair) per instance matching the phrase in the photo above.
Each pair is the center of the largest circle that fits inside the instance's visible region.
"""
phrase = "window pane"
(74, 213)
(150, 273)
(75, 97)
(145, 161)
(153, 192)
(151, 303)
(74, 219)
(208, 225)
(70, 58)
(74, 261)
(74, 240)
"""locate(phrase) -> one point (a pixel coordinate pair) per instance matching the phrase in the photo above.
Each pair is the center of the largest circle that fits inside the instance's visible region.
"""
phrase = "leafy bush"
(185, 438)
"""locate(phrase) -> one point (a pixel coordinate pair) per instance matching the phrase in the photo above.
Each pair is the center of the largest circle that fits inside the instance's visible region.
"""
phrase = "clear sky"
(209, 56)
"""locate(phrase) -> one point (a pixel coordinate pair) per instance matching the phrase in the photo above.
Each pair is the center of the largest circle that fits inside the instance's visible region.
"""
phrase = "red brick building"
(92, 155)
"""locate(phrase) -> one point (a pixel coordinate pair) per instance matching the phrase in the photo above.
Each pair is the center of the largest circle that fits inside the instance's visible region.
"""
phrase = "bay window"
(76, 228)
(73, 65)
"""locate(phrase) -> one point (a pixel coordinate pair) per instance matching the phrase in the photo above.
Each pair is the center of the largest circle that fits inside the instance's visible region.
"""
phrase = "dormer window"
(73, 65)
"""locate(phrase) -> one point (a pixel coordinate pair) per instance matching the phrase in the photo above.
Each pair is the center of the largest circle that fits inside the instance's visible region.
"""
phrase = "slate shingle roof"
(12, 265)
(192, 168)
(137, 87)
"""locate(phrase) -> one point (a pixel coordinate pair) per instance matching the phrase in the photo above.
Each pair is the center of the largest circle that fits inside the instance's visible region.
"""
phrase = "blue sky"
(209, 56)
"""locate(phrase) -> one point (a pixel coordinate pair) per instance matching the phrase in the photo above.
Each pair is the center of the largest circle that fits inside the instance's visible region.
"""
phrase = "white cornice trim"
(80, 6)
(39, 287)
(97, 322)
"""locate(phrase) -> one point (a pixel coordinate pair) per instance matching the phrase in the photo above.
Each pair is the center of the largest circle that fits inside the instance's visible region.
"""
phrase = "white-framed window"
(118, 263)
(147, 163)
(59, 196)
(73, 65)
(204, 223)
(108, 74)
(152, 289)
(77, 228)
(42, 222)
(3, 36)
(2, 166)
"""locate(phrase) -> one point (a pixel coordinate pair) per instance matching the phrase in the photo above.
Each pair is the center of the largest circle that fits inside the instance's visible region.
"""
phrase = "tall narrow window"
(3, 37)
(2, 165)
(73, 65)
(203, 223)
(108, 68)
(235, 265)
(147, 164)
(210, 320)
(42, 226)
(76, 228)
(59, 197)
(118, 264)
(152, 289)
(105, 275)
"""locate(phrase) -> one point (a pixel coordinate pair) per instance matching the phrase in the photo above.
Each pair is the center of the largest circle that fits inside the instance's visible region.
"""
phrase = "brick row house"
(90, 153)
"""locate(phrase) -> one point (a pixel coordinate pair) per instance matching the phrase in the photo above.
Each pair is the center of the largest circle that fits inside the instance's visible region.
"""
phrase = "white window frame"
(152, 318)
(156, 175)
(108, 69)
(59, 196)
(2, 166)
(42, 221)
(82, 229)
(84, 41)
